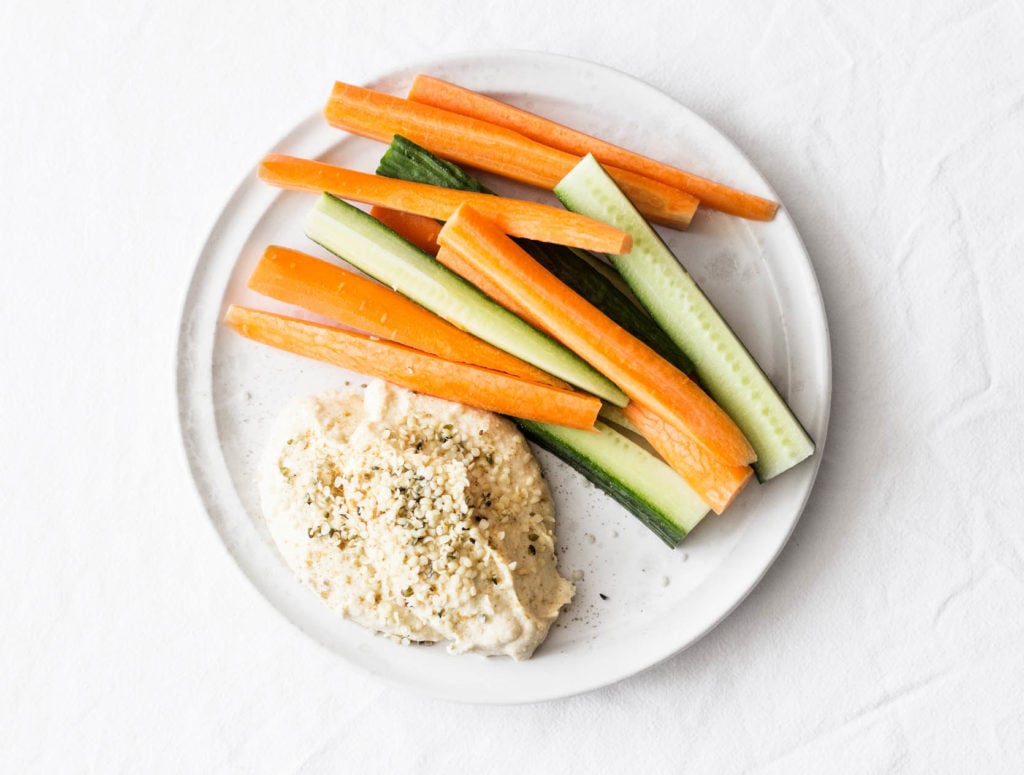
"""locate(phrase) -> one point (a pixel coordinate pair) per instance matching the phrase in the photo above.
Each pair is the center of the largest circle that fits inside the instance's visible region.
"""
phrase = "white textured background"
(888, 637)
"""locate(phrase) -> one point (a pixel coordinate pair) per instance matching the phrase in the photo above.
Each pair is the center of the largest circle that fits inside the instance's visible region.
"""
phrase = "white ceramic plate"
(658, 600)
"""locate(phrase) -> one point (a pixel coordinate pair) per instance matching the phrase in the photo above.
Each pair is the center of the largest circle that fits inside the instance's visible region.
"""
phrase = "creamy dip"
(417, 518)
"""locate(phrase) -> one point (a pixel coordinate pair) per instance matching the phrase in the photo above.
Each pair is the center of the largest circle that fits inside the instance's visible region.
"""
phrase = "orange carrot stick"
(517, 217)
(448, 96)
(418, 371)
(488, 147)
(420, 231)
(367, 306)
(715, 483)
(639, 371)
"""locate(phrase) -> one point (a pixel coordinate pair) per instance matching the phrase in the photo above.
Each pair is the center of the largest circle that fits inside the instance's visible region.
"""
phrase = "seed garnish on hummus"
(417, 518)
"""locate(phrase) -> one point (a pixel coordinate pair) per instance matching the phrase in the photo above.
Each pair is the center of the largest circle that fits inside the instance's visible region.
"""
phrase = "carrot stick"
(715, 483)
(418, 371)
(639, 371)
(517, 217)
(367, 306)
(485, 146)
(420, 231)
(448, 96)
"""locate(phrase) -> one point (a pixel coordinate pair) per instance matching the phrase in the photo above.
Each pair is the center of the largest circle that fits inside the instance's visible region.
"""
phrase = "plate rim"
(822, 351)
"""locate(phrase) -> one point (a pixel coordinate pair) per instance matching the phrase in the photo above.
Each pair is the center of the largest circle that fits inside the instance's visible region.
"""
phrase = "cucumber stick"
(725, 368)
(642, 483)
(406, 160)
(370, 246)
(616, 416)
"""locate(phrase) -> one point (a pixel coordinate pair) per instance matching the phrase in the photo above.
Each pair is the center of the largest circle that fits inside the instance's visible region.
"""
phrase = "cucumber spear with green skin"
(727, 371)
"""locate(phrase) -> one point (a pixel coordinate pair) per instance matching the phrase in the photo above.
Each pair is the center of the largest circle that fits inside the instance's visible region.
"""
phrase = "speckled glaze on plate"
(637, 602)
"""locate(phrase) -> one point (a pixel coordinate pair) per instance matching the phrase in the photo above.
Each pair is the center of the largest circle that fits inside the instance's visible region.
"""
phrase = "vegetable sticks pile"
(387, 335)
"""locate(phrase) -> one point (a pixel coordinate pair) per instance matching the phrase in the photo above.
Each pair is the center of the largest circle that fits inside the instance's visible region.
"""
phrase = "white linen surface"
(887, 637)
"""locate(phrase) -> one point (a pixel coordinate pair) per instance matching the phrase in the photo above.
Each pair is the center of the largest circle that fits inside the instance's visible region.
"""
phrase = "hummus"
(418, 518)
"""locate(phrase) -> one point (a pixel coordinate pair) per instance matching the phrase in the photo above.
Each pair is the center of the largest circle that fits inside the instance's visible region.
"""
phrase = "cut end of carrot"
(235, 317)
(277, 169)
(660, 202)
(624, 246)
(268, 162)
(766, 211)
